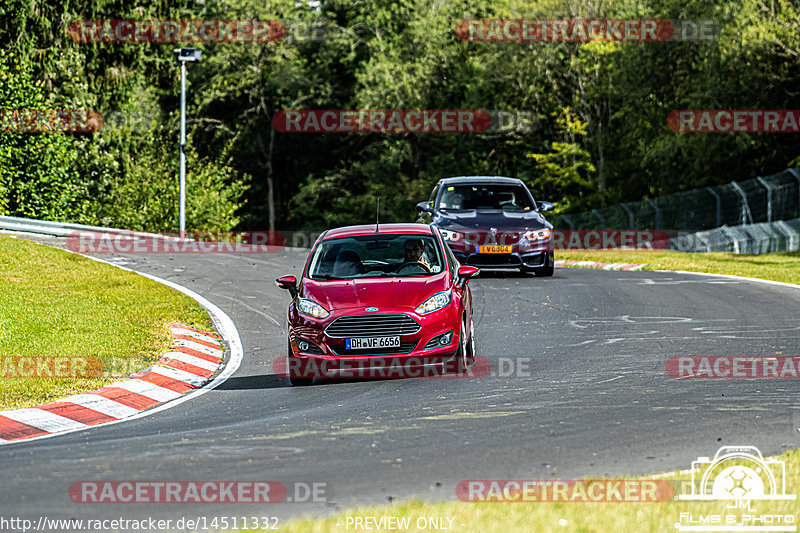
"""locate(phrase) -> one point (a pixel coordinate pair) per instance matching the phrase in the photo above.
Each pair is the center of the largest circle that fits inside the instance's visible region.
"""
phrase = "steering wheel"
(417, 264)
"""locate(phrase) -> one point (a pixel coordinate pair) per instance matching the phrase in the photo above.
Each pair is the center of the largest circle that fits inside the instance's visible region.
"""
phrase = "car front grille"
(386, 325)
(493, 259)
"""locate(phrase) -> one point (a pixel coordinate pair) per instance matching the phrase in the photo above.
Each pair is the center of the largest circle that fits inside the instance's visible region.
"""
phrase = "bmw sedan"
(491, 222)
(375, 296)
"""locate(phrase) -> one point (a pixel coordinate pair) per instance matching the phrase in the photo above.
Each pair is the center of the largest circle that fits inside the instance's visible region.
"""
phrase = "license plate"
(495, 249)
(367, 343)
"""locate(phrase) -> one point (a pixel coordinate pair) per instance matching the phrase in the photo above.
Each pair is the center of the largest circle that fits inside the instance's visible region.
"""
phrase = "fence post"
(727, 233)
(602, 220)
(716, 196)
(767, 186)
(796, 176)
(682, 198)
(630, 214)
(745, 205)
(792, 244)
(658, 212)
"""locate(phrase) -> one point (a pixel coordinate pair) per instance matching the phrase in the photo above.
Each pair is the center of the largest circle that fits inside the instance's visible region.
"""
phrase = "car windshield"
(373, 256)
(490, 196)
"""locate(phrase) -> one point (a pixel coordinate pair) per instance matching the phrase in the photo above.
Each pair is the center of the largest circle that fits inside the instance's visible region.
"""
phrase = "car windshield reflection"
(376, 256)
(485, 197)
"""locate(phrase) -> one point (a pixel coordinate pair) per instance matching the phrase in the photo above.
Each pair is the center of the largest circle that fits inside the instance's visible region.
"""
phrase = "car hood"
(486, 219)
(373, 292)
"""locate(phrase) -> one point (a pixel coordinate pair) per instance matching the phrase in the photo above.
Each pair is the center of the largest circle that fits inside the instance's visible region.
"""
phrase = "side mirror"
(288, 282)
(424, 207)
(466, 272)
(546, 206)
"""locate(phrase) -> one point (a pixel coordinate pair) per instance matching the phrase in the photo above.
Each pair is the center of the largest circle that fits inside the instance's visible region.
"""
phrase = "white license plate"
(367, 343)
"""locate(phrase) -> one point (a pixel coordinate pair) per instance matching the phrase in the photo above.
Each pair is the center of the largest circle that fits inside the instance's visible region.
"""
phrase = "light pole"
(183, 56)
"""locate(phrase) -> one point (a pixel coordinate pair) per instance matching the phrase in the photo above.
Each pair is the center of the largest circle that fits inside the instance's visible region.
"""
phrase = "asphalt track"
(589, 396)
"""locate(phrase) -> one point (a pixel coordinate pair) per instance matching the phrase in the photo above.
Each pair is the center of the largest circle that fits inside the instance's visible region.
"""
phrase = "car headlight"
(311, 308)
(537, 235)
(450, 235)
(440, 300)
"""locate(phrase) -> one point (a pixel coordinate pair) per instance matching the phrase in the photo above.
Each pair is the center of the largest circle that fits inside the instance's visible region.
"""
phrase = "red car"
(388, 296)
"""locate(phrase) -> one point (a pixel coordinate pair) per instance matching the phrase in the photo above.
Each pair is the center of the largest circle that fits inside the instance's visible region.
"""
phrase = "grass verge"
(597, 517)
(56, 306)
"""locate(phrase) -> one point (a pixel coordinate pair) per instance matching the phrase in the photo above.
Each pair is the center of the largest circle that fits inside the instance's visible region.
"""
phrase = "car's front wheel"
(465, 356)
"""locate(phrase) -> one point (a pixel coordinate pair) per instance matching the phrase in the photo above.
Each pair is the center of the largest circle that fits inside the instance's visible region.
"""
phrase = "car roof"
(383, 229)
(462, 180)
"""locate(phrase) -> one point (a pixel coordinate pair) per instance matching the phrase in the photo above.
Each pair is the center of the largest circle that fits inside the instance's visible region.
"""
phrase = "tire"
(296, 380)
(548, 270)
(465, 356)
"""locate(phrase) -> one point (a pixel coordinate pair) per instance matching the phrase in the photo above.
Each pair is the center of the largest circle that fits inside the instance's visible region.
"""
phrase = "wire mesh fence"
(762, 199)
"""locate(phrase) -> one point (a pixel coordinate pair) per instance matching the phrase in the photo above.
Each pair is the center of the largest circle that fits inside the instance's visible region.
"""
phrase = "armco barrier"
(780, 236)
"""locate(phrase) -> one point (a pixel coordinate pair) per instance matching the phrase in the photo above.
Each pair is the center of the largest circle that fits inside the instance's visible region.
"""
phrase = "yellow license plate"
(495, 249)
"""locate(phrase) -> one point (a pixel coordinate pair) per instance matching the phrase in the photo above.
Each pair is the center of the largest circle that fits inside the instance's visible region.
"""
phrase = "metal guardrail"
(762, 238)
(58, 229)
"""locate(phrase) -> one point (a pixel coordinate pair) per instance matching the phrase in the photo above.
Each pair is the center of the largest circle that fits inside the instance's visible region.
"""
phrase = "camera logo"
(741, 474)
(738, 473)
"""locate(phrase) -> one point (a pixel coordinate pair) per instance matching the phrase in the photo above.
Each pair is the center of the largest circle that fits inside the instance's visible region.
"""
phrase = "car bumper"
(514, 260)
(316, 353)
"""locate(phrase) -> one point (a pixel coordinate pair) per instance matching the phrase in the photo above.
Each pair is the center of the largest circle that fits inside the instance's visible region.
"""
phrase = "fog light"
(444, 340)
(303, 345)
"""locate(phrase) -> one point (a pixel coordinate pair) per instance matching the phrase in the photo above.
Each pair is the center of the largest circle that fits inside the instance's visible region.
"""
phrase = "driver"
(415, 252)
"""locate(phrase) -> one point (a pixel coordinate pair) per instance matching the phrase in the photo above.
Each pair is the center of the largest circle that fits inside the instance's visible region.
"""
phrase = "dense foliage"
(600, 134)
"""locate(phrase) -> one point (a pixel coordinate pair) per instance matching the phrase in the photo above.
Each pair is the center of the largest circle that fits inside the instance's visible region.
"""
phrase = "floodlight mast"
(183, 56)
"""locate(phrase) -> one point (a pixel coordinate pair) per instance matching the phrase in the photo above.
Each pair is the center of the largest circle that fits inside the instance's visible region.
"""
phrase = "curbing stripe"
(151, 390)
(175, 385)
(209, 344)
(14, 430)
(192, 360)
(597, 264)
(131, 399)
(198, 386)
(182, 326)
(195, 334)
(101, 404)
(77, 413)
(197, 356)
(180, 375)
(187, 367)
(182, 349)
(43, 420)
(199, 347)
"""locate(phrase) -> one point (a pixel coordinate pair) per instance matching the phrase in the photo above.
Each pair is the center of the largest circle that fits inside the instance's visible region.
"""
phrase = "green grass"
(596, 517)
(57, 304)
(783, 266)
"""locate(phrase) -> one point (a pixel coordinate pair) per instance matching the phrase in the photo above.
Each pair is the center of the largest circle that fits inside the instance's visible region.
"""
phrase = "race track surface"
(588, 395)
